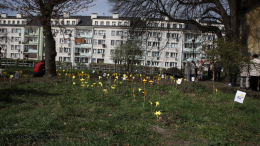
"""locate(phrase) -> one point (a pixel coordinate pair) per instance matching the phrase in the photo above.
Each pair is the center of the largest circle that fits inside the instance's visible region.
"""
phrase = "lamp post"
(193, 41)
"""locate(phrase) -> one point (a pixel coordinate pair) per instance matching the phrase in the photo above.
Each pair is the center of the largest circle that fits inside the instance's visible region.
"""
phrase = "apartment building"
(92, 39)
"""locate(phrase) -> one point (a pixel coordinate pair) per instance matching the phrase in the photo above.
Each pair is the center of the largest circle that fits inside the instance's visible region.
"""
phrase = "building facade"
(81, 40)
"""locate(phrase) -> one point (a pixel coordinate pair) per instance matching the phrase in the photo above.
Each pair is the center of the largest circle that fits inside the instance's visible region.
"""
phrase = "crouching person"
(39, 69)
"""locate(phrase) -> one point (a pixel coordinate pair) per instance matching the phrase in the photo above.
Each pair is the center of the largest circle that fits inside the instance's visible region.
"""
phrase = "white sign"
(162, 76)
(193, 79)
(240, 96)
(17, 74)
(104, 75)
(179, 81)
(124, 78)
(93, 71)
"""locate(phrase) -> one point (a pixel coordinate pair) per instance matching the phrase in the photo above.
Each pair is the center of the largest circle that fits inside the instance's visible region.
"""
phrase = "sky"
(101, 8)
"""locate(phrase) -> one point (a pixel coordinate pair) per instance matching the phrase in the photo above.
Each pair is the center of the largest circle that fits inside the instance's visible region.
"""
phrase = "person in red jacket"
(39, 69)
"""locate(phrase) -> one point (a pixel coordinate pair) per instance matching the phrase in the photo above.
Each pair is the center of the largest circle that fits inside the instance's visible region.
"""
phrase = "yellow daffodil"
(105, 90)
(108, 75)
(69, 75)
(74, 83)
(145, 92)
(83, 85)
(139, 89)
(82, 72)
(113, 87)
(157, 103)
(100, 84)
(66, 74)
(134, 95)
(21, 72)
(133, 77)
(79, 74)
(92, 86)
(216, 90)
(144, 80)
(73, 77)
(158, 113)
(87, 86)
(115, 80)
(120, 82)
(116, 77)
(59, 74)
(25, 76)
(99, 77)
(151, 102)
(151, 82)
(5, 73)
(184, 79)
(64, 70)
(86, 82)
(82, 80)
(11, 76)
(140, 75)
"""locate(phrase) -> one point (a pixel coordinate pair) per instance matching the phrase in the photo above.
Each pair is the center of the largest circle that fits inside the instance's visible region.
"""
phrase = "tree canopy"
(228, 12)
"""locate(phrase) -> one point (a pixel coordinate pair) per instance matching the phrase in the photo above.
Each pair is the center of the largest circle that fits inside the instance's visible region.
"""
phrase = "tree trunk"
(50, 51)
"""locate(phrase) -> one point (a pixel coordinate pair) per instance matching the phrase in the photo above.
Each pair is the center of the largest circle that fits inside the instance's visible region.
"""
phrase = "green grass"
(44, 111)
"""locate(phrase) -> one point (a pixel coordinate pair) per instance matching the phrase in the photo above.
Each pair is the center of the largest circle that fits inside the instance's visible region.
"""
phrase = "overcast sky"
(101, 8)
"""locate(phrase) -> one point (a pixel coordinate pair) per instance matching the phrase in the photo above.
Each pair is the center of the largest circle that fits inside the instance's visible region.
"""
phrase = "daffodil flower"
(216, 90)
(116, 77)
(158, 113)
(113, 87)
(145, 92)
(73, 77)
(82, 80)
(100, 83)
(74, 83)
(21, 72)
(64, 70)
(157, 103)
(105, 90)
(151, 82)
(139, 89)
(134, 95)
(86, 82)
(184, 79)
(83, 85)
(99, 77)
(92, 86)
(25, 76)
(151, 102)
(11, 76)
(66, 74)
(144, 80)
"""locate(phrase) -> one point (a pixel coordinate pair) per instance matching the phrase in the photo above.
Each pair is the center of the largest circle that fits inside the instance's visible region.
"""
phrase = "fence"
(92, 66)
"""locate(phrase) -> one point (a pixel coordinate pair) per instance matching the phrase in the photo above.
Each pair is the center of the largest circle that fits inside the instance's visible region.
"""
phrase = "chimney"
(93, 15)
(4, 15)
(18, 15)
(66, 14)
(115, 16)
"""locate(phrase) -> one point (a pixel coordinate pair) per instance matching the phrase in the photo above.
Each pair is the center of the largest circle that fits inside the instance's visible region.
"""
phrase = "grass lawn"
(41, 111)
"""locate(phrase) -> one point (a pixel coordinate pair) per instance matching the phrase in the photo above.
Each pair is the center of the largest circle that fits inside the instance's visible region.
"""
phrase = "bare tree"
(45, 10)
(230, 13)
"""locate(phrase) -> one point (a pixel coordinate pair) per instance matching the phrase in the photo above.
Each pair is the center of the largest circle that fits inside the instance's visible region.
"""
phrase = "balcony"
(79, 45)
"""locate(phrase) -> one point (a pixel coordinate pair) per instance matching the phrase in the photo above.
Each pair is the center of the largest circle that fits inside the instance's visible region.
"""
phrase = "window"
(87, 50)
(119, 23)
(13, 22)
(119, 33)
(154, 34)
(102, 23)
(95, 41)
(107, 23)
(156, 44)
(82, 50)
(12, 39)
(102, 32)
(148, 63)
(167, 44)
(112, 42)
(61, 40)
(12, 55)
(60, 58)
(73, 22)
(174, 55)
(66, 50)
(168, 25)
(162, 25)
(118, 42)
(156, 24)
(95, 32)
(174, 45)
(168, 35)
(149, 53)
(9, 22)
(88, 41)
(68, 22)
(96, 22)
(12, 47)
(150, 34)
(180, 25)
(4, 22)
(113, 33)
(94, 51)
(174, 26)
(17, 39)
(125, 23)
(101, 42)
(166, 64)
(155, 54)
(18, 30)
(65, 41)
(114, 23)
(149, 43)
(17, 47)
(101, 51)
(175, 35)
(61, 49)
(112, 51)
(167, 54)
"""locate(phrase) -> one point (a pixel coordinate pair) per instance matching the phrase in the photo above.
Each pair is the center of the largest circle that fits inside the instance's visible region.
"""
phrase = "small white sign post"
(192, 79)
(179, 81)
(240, 96)
(93, 71)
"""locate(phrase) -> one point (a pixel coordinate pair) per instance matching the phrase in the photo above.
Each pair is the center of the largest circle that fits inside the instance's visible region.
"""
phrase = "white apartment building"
(92, 39)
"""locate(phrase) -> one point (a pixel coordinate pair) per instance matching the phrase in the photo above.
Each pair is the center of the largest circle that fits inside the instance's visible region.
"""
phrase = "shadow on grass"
(13, 95)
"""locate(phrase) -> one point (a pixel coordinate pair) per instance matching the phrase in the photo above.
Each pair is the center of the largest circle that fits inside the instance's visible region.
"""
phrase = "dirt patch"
(167, 137)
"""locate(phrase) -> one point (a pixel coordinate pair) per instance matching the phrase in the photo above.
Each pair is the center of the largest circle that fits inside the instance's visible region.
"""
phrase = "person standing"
(254, 72)
(217, 69)
(39, 69)
(192, 69)
(200, 71)
(187, 71)
(244, 74)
